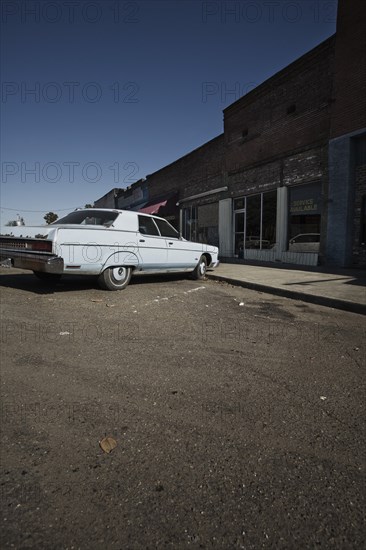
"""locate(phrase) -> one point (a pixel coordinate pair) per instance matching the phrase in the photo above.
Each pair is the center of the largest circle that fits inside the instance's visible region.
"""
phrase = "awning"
(153, 208)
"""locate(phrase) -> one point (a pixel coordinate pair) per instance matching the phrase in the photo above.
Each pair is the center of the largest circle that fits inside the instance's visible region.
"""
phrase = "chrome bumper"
(36, 261)
(213, 265)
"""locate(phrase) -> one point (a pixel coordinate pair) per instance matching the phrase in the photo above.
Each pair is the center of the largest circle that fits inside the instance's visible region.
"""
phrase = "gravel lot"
(238, 417)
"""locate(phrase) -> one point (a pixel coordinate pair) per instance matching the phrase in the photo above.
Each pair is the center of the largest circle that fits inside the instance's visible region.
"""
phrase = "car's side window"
(166, 230)
(147, 226)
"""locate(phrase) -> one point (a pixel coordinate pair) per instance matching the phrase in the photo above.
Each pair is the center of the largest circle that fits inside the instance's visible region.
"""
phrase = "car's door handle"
(170, 244)
(142, 240)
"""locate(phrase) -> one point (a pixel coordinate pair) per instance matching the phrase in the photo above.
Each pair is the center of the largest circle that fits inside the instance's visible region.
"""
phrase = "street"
(238, 417)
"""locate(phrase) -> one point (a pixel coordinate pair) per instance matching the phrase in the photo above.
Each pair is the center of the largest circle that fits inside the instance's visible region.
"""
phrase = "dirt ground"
(238, 417)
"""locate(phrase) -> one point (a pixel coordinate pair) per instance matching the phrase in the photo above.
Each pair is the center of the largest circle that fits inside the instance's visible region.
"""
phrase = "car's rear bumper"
(35, 261)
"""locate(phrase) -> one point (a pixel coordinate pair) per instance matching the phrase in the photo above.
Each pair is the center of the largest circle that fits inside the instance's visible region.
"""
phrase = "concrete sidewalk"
(339, 288)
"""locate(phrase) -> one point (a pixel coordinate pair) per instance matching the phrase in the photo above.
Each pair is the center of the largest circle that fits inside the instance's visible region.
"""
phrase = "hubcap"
(202, 268)
(119, 273)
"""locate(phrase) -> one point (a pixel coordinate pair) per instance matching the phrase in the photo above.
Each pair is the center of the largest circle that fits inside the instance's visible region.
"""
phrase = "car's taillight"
(44, 246)
(26, 244)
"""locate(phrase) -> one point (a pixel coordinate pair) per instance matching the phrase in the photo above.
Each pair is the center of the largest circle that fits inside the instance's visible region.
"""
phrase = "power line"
(40, 211)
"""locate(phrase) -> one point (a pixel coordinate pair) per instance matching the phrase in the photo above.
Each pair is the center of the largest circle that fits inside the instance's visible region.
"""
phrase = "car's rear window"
(88, 217)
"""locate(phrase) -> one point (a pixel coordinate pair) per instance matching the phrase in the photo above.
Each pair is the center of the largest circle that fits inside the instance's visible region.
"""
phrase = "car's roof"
(120, 211)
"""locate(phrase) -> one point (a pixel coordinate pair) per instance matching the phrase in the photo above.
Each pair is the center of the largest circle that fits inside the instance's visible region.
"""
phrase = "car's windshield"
(88, 217)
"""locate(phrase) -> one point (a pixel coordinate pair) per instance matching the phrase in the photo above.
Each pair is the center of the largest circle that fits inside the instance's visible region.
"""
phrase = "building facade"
(346, 230)
(286, 179)
(276, 140)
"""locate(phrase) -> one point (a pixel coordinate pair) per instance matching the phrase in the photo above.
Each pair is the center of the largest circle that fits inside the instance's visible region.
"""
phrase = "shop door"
(239, 233)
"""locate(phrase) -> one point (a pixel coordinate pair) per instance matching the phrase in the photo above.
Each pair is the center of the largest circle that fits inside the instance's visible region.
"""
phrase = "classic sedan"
(112, 244)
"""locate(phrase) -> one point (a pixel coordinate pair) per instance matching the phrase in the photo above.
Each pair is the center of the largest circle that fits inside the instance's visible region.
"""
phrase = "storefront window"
(189, 228)
(255, 222)
(208, 223)
(304, 218)
(239, 233)
(269, 217)
(201, 223)
(239, 204)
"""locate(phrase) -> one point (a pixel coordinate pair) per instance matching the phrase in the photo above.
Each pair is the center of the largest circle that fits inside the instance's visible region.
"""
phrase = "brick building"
(346, 230)
(195, 184)
(276, 140)
(286, 179)
(109, 200)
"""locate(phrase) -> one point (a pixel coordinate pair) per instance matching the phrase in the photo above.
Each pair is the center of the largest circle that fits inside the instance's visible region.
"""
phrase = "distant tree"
(88, 206)
(50, 217)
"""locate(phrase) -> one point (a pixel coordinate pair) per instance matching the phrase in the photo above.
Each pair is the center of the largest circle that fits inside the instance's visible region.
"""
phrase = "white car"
(113, 244)
(305, 242)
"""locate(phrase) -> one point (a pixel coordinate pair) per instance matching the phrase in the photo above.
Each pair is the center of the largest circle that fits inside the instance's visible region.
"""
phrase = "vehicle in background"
(305, 242)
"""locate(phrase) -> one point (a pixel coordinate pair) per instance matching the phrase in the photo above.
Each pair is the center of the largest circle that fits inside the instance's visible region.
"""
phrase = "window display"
(304, 218)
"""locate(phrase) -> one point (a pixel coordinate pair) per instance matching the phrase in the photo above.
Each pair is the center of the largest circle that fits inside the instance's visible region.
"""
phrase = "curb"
(335, 303)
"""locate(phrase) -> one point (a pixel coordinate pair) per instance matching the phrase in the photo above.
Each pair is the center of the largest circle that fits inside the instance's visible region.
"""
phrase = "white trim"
(225, 227)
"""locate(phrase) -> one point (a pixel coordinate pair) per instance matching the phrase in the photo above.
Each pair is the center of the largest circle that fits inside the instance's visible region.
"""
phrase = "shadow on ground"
(70, 283)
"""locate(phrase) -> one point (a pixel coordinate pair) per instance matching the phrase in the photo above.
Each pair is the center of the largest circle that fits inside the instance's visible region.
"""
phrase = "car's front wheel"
(200, 270)
(115, 278)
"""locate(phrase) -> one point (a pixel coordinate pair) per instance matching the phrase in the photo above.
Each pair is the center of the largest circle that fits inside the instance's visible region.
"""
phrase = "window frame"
(142, 216)
(161, 220)
(262, 219)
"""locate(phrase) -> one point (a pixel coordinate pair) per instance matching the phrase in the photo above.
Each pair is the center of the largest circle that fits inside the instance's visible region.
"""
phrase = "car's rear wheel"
(115, 278)
(200, 270)
(47, 277)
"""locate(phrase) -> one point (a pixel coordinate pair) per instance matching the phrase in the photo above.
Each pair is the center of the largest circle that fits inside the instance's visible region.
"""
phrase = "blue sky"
(98, 94)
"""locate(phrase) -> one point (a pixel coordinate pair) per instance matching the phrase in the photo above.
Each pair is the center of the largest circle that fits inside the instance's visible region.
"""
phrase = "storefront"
(281, 225)
(200, 216)
(254, 222)
(201, 223)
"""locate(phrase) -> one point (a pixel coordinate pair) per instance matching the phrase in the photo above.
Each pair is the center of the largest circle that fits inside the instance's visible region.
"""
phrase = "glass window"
(166, 230)
(88, 217)
(304, 218)
(239, 204)
(208, 223)
(269, 217)
(147, 226)
(190, 223)
(239, 221)
(255, 222)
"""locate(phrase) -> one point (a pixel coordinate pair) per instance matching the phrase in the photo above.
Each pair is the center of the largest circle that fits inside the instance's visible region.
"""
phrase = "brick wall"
(108, 200)
(349, 109)
(296, 168)
(255, 179)
(288, 112)
(199, 171)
